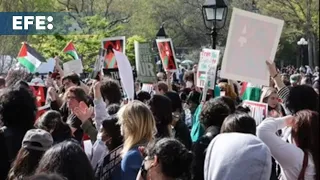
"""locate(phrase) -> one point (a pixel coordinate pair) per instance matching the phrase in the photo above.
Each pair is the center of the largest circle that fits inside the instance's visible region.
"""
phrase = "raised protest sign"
(98, 65)
(71, 67)
(167, 55)
(209, 59)
(117, 43)
(109, 166)
(146, 68)
(252, 40)
(258, 111)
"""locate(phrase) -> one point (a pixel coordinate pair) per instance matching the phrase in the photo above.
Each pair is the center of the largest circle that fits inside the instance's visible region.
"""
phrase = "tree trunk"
(314, 49)
(309, 34)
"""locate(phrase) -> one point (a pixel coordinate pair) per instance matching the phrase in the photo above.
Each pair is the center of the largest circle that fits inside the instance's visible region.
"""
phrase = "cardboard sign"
(146, 67)
(259, 111)
(109, 165)
(117, 43)
(252, 40)
(113, 74)
(167, 55)
(71, 67)
(208, 58)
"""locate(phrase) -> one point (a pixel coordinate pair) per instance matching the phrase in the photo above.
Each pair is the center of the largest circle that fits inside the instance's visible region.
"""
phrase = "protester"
(143, 96)
(243, 157)
(34, 144)
(37, 79)
(138, 128)
(17, 113)
(239, 122)
(304, 135)
(270, 97)
(68, 159)
(165, 159)
(161, 108)
(212, 116)
(51, 121)
(180, 129)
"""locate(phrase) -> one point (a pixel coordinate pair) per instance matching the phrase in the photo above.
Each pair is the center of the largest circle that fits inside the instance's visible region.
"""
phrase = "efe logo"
(23, 22)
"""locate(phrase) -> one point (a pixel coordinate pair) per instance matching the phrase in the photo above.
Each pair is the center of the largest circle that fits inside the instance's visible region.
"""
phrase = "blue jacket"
(130, 164)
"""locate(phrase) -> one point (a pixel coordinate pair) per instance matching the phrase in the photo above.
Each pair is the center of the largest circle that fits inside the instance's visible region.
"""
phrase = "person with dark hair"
(68, 159)
(17, 113)
(298, 159)
(2, 82)
(44, 176)
(161, 108)
(143, 96)
(110, 91)
(161, 88)
(37, 79)
(108, 138)
(34, 144)
(239, 122)
(180, 129)
(51, 121)
(166, 159)
(70, 80)
(212, 116)
(188, 78)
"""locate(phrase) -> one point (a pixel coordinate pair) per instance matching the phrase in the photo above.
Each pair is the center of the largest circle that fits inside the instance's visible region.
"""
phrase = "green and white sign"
(145, 65)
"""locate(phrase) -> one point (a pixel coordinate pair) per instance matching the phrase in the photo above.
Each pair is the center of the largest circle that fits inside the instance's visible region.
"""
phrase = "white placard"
(209, 58)
(71, 67)
(252, 40)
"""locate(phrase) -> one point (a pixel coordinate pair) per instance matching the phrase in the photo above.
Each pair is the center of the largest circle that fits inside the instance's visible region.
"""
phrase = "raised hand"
(272, 68)
(83, 112)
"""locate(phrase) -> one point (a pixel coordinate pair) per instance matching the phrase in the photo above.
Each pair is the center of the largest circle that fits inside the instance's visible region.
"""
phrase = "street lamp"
(161, 34)
(301, 43)
(214, 13)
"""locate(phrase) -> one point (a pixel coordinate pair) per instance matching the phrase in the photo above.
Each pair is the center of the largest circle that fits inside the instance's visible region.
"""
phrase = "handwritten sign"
(258, 111)
(146, 68)
(209, 59)
(252, 39)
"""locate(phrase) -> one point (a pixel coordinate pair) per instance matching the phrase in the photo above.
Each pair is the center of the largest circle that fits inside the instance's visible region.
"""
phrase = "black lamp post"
(161, 34)
(254, 7)
(301, 43)
(214, 13)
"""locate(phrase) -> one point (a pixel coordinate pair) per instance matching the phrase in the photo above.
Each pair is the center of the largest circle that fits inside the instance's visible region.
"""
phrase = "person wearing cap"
(34, 144)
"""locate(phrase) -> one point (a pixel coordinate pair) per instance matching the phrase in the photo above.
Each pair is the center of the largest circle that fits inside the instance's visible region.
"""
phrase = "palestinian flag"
(30, 58)
(71, 50)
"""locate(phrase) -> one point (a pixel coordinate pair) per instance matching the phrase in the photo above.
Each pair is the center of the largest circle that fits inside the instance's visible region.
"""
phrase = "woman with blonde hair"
(138, 128)
(269, 96)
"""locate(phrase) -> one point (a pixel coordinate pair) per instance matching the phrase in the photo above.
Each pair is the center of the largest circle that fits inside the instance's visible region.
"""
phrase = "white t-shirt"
(37, 80)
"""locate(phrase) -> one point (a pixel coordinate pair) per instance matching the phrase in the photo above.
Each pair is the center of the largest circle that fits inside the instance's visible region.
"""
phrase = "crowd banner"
(167, 55)
(252, 40)
(113, 74)
(126, 74)
(209, 58)
(109, 44)
(258, 111)
(146, 67)
(71, 67)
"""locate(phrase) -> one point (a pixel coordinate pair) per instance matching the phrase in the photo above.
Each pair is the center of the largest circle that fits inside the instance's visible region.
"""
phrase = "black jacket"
(199, 151)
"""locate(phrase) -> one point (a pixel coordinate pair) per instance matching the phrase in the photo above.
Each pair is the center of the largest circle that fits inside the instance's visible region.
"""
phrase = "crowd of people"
(168, 132)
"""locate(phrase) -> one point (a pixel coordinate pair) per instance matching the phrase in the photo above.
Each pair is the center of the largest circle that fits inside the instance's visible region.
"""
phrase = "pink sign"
(252, 40)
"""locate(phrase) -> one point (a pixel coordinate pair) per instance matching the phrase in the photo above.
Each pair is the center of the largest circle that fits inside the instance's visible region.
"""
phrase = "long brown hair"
(305, 132)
